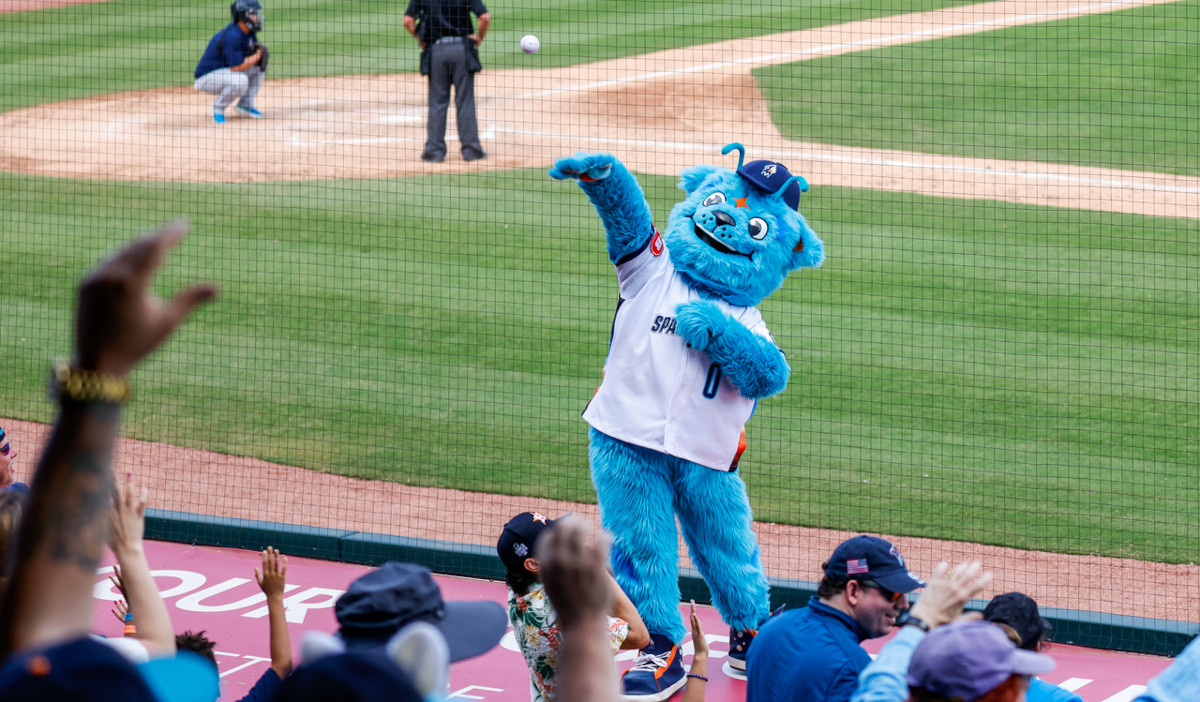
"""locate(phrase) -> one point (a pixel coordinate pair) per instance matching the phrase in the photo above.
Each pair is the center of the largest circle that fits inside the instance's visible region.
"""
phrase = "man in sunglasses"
(813, 654)
(8, 466)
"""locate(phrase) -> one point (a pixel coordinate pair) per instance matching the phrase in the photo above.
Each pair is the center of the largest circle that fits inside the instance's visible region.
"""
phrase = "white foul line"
(907, 37)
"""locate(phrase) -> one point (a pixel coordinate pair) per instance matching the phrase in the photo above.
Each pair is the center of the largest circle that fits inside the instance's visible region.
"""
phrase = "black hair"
(830, 586)
(520, 581)
(196, 642)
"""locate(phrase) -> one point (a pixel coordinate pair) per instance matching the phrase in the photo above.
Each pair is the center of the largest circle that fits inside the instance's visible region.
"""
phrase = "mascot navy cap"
(364, 675)
(769, 177)
(968, 660)
(1020, 612)
(380, 603)
(872, 558)
(519, 537)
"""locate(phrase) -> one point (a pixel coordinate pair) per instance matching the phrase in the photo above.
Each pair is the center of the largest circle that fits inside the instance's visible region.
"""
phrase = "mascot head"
(738, 233)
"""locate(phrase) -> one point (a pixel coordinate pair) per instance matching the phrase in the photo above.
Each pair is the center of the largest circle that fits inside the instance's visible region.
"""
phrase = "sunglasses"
(5, 449)
(888, 595)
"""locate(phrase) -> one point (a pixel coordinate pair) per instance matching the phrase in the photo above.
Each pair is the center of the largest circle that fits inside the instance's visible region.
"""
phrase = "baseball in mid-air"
(530, 44)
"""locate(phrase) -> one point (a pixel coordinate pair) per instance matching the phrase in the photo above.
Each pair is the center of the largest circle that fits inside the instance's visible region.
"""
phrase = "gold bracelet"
(69, 384)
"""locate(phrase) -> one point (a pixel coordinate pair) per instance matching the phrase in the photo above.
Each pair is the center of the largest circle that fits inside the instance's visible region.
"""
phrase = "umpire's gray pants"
(448, 66)
(229, 85)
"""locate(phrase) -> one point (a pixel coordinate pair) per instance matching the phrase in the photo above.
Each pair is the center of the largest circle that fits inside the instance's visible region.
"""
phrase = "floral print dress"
(535, 628)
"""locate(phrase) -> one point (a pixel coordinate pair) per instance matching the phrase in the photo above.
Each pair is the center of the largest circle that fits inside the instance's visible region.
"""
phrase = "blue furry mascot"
(689, 357)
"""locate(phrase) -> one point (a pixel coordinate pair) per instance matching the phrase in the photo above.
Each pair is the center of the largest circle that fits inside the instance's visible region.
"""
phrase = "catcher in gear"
(234, 62)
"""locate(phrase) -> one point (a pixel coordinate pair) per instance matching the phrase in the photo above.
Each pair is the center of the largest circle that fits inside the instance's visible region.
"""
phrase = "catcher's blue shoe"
(249, 112)
(657, 672)
(218, 118)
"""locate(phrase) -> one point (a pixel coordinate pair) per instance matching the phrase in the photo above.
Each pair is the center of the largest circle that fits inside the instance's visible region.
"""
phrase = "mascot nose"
(723, 218)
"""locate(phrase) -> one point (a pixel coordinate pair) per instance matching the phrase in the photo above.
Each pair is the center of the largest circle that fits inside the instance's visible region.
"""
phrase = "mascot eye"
(758, 228)
(714, 199)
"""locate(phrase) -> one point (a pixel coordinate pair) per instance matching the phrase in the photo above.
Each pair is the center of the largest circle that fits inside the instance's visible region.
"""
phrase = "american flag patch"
(856, 566)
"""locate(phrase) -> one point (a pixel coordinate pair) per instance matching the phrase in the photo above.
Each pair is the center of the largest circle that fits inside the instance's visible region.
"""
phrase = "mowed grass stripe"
(124, 45)
(980, 371)
(1113, 90)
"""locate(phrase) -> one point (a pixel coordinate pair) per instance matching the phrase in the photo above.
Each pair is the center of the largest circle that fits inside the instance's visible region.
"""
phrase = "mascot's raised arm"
(689, 357)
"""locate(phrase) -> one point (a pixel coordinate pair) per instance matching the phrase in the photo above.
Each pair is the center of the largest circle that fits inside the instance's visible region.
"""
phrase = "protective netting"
(999, 359)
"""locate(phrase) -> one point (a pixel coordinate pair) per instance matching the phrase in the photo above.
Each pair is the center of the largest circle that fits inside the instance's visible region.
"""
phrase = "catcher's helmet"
(241, 10)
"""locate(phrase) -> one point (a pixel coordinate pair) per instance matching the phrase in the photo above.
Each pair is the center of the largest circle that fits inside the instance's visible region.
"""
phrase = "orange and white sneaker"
(657, 672)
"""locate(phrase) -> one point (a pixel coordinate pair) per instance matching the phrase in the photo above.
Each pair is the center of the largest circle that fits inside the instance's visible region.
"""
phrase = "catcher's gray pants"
(448, 66)
(228, 85)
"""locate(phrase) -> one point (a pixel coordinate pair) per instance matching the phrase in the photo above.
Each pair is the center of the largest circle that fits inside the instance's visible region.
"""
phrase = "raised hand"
(119, 320)
(585, 167)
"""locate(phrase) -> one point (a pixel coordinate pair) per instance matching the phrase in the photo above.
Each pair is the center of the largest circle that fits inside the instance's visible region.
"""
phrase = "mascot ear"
(692, 178)
(810, 250)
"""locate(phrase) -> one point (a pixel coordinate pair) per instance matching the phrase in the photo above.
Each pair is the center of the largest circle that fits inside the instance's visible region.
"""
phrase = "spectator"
(46, 610)
(972, 662)
(133, 578)
(697, 675)
(1018, 616)
(12, 504)
(361, 675)
(941, 603)
(534, 621)
(1179, 682)
(8, 466)
(379, 604)
(272, 580)
(814, 653)
(234, 63)
(573, 570)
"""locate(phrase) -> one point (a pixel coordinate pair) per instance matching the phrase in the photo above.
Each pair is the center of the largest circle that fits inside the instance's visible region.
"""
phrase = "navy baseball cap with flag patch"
(769, 177)
(519, 537)
(872, 558)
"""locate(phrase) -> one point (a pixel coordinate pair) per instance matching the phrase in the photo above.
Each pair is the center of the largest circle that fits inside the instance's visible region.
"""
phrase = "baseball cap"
(519, 537)
(380, 603)
(874, 558)
(969, 660)
(360, 675)
(92, 671)
(769, 177)
(1021, 613)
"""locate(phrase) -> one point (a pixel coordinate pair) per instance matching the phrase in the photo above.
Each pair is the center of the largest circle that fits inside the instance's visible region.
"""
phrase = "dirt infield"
(640, 107)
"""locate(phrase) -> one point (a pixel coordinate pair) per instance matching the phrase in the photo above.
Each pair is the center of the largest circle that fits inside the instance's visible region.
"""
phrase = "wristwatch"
(69, 384)
(917, 622)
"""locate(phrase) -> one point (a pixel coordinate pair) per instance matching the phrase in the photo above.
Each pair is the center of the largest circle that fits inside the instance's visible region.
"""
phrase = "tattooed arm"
(118, 322)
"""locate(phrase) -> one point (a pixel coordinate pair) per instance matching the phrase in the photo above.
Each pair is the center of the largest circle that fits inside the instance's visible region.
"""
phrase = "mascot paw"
(586, 167)
(699, 322)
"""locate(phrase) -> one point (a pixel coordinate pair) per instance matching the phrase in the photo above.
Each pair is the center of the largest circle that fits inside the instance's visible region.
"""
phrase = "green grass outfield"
(1118, 90)
(971, 370)
(122, 45)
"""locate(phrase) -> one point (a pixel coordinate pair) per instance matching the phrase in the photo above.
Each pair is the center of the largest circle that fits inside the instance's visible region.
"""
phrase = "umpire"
(449, 55)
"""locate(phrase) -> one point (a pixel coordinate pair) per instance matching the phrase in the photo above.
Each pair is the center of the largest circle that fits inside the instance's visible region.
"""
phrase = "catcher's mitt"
(255, 45)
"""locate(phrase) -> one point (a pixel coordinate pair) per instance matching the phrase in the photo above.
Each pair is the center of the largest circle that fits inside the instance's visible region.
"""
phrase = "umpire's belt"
(447, 40)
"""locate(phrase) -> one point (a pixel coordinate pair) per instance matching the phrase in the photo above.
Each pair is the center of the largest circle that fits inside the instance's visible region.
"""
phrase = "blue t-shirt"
(1042, 691)
(228, 48)
(19, 488)
(265, 688)
(806, 654)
